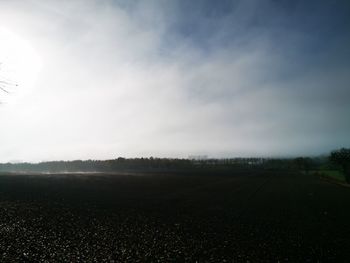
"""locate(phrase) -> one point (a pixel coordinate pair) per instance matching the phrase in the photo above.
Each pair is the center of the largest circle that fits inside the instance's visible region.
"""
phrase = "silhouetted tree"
(342, 157)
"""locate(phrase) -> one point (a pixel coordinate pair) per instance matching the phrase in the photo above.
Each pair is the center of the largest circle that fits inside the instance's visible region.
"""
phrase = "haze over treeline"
(137, 78)
(152, 164)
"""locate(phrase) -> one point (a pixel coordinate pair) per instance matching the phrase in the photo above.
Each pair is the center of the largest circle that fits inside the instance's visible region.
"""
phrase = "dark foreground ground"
(249, 216)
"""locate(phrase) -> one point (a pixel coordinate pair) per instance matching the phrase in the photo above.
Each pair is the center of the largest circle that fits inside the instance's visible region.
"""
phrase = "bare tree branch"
(5, 83)
(4, 90)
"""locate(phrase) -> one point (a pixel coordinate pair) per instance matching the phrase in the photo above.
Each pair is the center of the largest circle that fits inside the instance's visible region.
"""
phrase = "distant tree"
(303, 163)
(342, 157)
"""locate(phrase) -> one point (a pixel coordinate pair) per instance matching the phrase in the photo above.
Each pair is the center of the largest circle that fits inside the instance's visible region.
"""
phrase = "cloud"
(167, 79)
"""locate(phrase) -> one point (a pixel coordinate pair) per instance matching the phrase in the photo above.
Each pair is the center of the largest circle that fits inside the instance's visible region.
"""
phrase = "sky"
(101, 79)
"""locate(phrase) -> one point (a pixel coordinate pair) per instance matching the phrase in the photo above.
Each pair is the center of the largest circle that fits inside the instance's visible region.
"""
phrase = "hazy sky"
(102, 79)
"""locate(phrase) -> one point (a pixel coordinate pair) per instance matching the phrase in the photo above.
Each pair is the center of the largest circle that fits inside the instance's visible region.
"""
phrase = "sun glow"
(20, 64)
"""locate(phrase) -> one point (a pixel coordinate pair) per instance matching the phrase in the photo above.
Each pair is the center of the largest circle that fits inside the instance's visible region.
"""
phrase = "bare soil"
(256, 216)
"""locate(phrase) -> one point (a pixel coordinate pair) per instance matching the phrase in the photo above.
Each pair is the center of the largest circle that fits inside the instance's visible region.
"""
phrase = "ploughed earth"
(255, 216)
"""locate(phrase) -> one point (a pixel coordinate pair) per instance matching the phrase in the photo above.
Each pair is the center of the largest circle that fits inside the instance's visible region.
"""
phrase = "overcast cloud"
(175, 78)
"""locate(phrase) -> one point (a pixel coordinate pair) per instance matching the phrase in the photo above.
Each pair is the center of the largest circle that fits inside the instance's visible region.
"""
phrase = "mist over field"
(101, 79)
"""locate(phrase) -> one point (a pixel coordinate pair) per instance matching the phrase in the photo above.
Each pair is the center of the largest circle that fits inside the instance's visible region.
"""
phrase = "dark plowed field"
(251, 216)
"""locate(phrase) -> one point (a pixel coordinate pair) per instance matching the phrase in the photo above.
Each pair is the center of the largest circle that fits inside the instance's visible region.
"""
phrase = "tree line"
(338, 159)
(151, 164)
